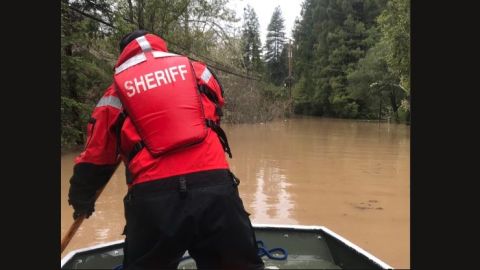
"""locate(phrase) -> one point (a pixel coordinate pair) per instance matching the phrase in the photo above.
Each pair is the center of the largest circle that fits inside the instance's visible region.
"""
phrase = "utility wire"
(169, 42)
(91, 17)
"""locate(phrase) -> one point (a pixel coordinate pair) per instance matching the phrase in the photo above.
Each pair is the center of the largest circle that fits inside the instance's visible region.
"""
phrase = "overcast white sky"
(264, 9)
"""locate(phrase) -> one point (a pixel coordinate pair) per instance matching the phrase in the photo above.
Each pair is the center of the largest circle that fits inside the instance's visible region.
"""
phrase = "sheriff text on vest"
(154, 79)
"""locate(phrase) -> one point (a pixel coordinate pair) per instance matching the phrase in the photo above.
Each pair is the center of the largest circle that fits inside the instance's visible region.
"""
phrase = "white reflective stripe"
(143, 42)
(131, 62)
(110, 101)
(158, 54)
(206, 75)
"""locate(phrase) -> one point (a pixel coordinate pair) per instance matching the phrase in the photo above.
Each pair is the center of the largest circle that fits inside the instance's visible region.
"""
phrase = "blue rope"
(274, 253)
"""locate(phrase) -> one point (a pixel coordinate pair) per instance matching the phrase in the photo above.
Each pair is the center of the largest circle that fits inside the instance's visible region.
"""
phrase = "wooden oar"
(76, 224)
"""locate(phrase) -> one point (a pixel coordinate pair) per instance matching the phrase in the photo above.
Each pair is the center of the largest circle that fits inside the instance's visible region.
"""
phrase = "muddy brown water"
(350, 176)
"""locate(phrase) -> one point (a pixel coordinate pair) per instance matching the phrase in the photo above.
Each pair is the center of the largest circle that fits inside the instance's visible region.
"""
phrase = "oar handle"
(76, 224)
(71, 232)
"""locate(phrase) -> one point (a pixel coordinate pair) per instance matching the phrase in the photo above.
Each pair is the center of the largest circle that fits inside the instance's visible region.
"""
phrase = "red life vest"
(160, 94)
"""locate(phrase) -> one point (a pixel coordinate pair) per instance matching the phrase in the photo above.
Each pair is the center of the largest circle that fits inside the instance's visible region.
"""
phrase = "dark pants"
(199, 212)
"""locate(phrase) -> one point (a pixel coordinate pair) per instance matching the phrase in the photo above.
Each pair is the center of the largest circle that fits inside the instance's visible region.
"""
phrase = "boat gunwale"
(259, 226)
(332, 234)
(80, 250)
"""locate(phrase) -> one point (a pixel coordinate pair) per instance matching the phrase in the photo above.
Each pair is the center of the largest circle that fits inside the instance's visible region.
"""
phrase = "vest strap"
(210, 95)
(221, 135)
(136, 148)
(118, 129)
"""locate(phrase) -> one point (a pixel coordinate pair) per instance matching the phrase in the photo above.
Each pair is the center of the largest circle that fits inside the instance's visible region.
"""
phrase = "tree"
(274, 46)
(394, 24)
(84, 72)
(330, 38)
(306, 35)
(251, 43)
(373, 86)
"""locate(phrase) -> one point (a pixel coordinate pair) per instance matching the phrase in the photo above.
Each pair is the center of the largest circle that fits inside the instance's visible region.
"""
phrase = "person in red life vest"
(161, 117)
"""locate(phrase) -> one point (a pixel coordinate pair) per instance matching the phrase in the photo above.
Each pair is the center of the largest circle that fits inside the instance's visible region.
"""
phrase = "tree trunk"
(151, 27)
(130, 10)
(380, 109)
(188, 44)
(393, 101)
(408, 111)
(140, 14)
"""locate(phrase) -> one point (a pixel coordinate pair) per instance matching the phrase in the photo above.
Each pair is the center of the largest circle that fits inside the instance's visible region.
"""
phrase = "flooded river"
(350, 176)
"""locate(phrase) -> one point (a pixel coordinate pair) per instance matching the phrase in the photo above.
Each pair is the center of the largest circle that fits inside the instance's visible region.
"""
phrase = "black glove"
(86, 180)
(82, 198)
(82, 208)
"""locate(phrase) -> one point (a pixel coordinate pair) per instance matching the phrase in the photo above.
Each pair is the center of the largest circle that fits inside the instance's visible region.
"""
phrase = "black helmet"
(131, 36)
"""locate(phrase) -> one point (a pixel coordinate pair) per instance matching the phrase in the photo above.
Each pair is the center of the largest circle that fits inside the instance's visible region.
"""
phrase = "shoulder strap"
(221, 135)
(118, 128)
(218, 111)
(213, 98)
(218, 81)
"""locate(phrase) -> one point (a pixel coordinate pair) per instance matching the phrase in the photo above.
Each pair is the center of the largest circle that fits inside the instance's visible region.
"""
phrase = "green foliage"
(275, 49)
(70, 133)
(85, 72)
(341, 48)
(251, 44)
(373, 84)
(395, 26)
(404, 115)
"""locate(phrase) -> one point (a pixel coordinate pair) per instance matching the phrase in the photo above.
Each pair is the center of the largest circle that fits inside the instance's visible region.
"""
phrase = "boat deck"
(307, 248)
